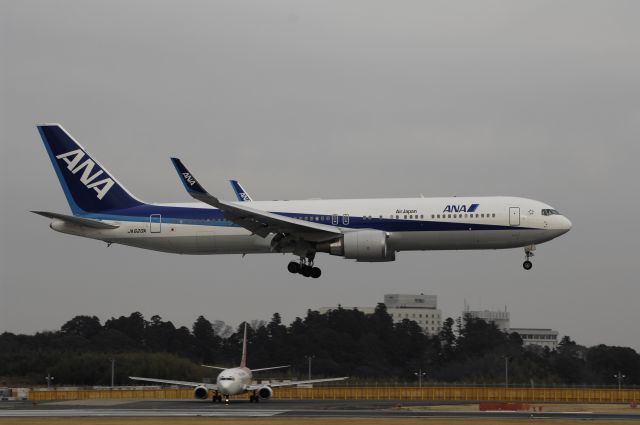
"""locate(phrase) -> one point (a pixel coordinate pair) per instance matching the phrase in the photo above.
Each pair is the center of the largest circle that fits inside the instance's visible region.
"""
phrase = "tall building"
(422, 309)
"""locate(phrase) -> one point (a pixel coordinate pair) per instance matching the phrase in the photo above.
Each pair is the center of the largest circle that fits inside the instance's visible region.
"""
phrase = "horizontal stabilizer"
(87, 222)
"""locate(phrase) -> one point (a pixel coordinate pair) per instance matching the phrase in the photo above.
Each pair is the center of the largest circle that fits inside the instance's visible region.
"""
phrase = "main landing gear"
(253, 398)
(217, 398)
(305, 268)
(528, 253)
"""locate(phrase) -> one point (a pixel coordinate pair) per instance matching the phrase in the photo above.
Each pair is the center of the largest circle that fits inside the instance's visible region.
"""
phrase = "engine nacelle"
(201, 392)
(362, 245)
(265, 392)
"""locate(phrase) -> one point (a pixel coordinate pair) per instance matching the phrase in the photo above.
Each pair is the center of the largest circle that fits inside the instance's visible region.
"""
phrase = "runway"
(278, 408)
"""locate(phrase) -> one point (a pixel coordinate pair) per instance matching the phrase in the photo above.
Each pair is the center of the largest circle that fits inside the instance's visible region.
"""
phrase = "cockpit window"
(550, 212)
(227, 378)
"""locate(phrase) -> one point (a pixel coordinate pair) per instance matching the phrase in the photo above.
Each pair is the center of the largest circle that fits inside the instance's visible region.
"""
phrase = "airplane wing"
(270, 368)
(294, 383)
(214, 367)
(260, 222)
(170, 382)
(95, 224)
(242, 194)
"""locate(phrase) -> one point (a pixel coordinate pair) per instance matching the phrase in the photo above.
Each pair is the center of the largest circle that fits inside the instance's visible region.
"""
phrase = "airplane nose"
(565, 224)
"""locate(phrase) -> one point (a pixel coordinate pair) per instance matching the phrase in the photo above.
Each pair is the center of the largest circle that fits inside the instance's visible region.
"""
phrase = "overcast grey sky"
(301, 99)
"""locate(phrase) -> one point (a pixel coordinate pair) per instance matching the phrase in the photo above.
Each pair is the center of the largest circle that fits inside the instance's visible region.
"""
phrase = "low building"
(421, 308)
(540, 337)
(497, 317)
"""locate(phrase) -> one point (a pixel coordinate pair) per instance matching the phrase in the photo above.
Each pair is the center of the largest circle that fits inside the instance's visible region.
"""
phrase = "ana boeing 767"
(365, 230)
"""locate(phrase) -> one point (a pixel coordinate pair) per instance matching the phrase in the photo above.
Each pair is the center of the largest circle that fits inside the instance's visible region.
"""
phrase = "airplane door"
(155, 223)
(514, 216)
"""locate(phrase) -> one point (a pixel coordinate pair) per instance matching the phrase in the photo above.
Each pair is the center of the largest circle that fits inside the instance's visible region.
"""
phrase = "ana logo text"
(75, 163)
(244, 196)
(189, 179)
(461, 208)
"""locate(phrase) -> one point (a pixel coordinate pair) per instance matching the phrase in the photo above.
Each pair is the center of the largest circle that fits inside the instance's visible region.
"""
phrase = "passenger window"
(449, 215)
(397, 217)
(465, 216)
(432, 216)
(405, 216)
(421, 215)
(493, 215)
(482, 215)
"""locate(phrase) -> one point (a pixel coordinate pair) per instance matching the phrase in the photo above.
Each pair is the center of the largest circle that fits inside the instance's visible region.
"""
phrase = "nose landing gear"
(305, 268)
(528, 253)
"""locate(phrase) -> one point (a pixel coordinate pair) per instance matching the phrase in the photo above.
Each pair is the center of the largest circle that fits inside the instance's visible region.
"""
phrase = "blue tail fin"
(88, 186)
(241, 194)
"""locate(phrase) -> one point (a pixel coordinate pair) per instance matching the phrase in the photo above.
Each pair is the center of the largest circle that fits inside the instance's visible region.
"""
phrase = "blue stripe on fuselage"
(215, 217)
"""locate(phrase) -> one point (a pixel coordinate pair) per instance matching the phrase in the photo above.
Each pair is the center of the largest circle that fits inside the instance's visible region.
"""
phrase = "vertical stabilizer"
(243, 361)
(88, 186)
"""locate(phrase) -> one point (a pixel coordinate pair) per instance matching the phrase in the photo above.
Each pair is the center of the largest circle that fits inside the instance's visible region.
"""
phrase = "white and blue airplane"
(236, 380)
(365, 230)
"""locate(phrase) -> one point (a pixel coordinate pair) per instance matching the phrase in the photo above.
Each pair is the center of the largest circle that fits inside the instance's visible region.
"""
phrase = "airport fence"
(471, 394)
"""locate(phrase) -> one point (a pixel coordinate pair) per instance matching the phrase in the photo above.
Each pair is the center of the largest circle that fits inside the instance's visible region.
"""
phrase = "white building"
(541, 337)
(530, 336)
(421, 308)
(499, 318)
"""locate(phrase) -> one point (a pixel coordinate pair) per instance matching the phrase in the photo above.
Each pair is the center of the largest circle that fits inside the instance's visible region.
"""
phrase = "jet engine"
(201, 392)
(265, 392)
(362, 245)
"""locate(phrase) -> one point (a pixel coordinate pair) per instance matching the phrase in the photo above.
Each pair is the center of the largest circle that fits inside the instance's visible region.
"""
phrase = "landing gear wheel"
(293, 267)
(305, 267)
(528, 253)
(305, 271)
(315, 272)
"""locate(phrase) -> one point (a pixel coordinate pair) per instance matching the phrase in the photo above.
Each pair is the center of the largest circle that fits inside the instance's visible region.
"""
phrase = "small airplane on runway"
(236, 380)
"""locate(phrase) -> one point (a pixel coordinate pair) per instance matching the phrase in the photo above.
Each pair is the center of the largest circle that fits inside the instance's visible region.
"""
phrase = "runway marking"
(136, 413)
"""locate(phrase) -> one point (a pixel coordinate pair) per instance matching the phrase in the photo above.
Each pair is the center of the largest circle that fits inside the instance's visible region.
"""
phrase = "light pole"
(420, 374)
(49, 378)
(619, 376)
(113, 369)
(506, 371)
(309, 358)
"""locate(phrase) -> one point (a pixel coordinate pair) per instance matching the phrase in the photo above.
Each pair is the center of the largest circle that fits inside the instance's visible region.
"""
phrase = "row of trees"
(341, 342)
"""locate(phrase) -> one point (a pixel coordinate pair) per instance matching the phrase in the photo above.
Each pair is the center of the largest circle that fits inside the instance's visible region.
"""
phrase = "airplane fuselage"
(412, 224)
(234, 381)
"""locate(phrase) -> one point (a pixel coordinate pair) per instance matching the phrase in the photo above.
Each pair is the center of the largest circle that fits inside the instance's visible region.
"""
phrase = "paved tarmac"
(282, 408)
